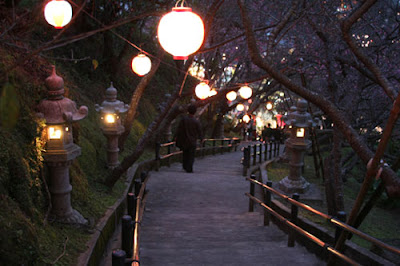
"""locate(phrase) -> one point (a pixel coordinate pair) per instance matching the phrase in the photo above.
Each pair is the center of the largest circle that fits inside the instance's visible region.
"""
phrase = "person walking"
(187, 134)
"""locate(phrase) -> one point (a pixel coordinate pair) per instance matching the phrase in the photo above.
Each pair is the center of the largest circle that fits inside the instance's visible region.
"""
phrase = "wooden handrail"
(138, 220)
(172, 143)
(300, 230)
(329, 218)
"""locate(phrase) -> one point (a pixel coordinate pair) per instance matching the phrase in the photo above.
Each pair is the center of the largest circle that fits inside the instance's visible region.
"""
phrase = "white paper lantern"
(141, 64)
(181, 32)
(58, 13)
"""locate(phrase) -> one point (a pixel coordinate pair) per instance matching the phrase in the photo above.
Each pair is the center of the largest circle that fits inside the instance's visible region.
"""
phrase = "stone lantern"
(59, 113)
(110, 111)
(299, 121)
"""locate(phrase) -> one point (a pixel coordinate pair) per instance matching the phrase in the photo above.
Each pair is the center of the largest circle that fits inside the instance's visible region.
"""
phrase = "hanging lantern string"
(237, 85)
(180, 1)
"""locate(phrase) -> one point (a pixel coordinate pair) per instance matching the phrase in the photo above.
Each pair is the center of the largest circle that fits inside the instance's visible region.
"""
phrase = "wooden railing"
(166, 151)
(338, 221)
(268, 151)
(130, 231)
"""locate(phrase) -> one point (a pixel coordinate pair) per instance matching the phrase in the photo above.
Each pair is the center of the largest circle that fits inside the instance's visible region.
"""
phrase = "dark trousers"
(188, 158)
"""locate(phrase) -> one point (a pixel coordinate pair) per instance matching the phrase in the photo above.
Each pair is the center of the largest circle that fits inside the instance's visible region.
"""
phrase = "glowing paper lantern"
(246, 118)
(181, 32)
(231, 96)
(58, 13)
(245, 92)
(141, 64)
(240, 107)
(269, 106)
(202, 90)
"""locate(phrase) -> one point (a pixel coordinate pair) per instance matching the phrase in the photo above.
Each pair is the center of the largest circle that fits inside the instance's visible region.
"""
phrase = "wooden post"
(251, 202)
(118, 257)
(341, 215)
(131, 202)
(293, 219)
(169, 157)
(127, 235)
(270, 151)
(265, 151)
(137, 185)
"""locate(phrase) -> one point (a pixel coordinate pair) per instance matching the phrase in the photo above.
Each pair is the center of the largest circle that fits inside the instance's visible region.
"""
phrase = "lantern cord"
(129, 42)
(180, 1)
(183, 82)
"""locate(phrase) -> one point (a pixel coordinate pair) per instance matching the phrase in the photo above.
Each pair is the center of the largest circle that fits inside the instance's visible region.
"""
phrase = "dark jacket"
(189, 130)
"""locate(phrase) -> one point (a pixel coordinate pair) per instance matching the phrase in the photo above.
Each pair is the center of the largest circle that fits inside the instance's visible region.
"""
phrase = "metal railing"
(165, 151)
(338, 221)
(130, 232)
(268, 150)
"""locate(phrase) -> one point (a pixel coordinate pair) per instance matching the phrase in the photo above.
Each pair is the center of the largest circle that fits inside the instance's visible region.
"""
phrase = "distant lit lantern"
(202, 90)
(269, 106)
(246, 118)
(213, 92)
(240, 107)
(245, 92)
(141, 64)
(231, 96)
(110, 118)
(58, 13)
(300, 132)
(181, 32)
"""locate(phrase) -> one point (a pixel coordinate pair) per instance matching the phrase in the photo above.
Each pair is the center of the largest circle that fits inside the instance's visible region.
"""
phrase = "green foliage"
(19, 241)
(9, 106)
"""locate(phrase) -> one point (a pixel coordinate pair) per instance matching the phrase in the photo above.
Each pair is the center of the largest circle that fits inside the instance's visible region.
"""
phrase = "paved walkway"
(201, 218)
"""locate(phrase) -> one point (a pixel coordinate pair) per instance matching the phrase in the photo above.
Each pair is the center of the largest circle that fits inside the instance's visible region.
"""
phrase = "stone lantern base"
(294, 186)
(73, 218)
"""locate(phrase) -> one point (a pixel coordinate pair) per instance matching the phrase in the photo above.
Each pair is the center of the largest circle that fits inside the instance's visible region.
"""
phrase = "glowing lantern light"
(231, 96)
(213, 92)
(269, 106)
(240, 107)
(246, 118)
(181, 32)
(245, 92)
(54, 133)
(110, 118)
(202, 90)
(300, 132)
(58, 13)
(141, 64)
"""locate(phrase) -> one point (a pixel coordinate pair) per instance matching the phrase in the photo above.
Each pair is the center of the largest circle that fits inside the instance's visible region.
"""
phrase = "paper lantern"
(231, 96)
(269, 106)
(202, 90)
(245, 92)
(240, 107)
(181, 32)
(246, 118)
(141, 64)
(58, 13)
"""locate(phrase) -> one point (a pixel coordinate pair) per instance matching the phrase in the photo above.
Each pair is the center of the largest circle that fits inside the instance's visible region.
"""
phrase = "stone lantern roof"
(56, 108)
(299, 117)
(111, 105)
